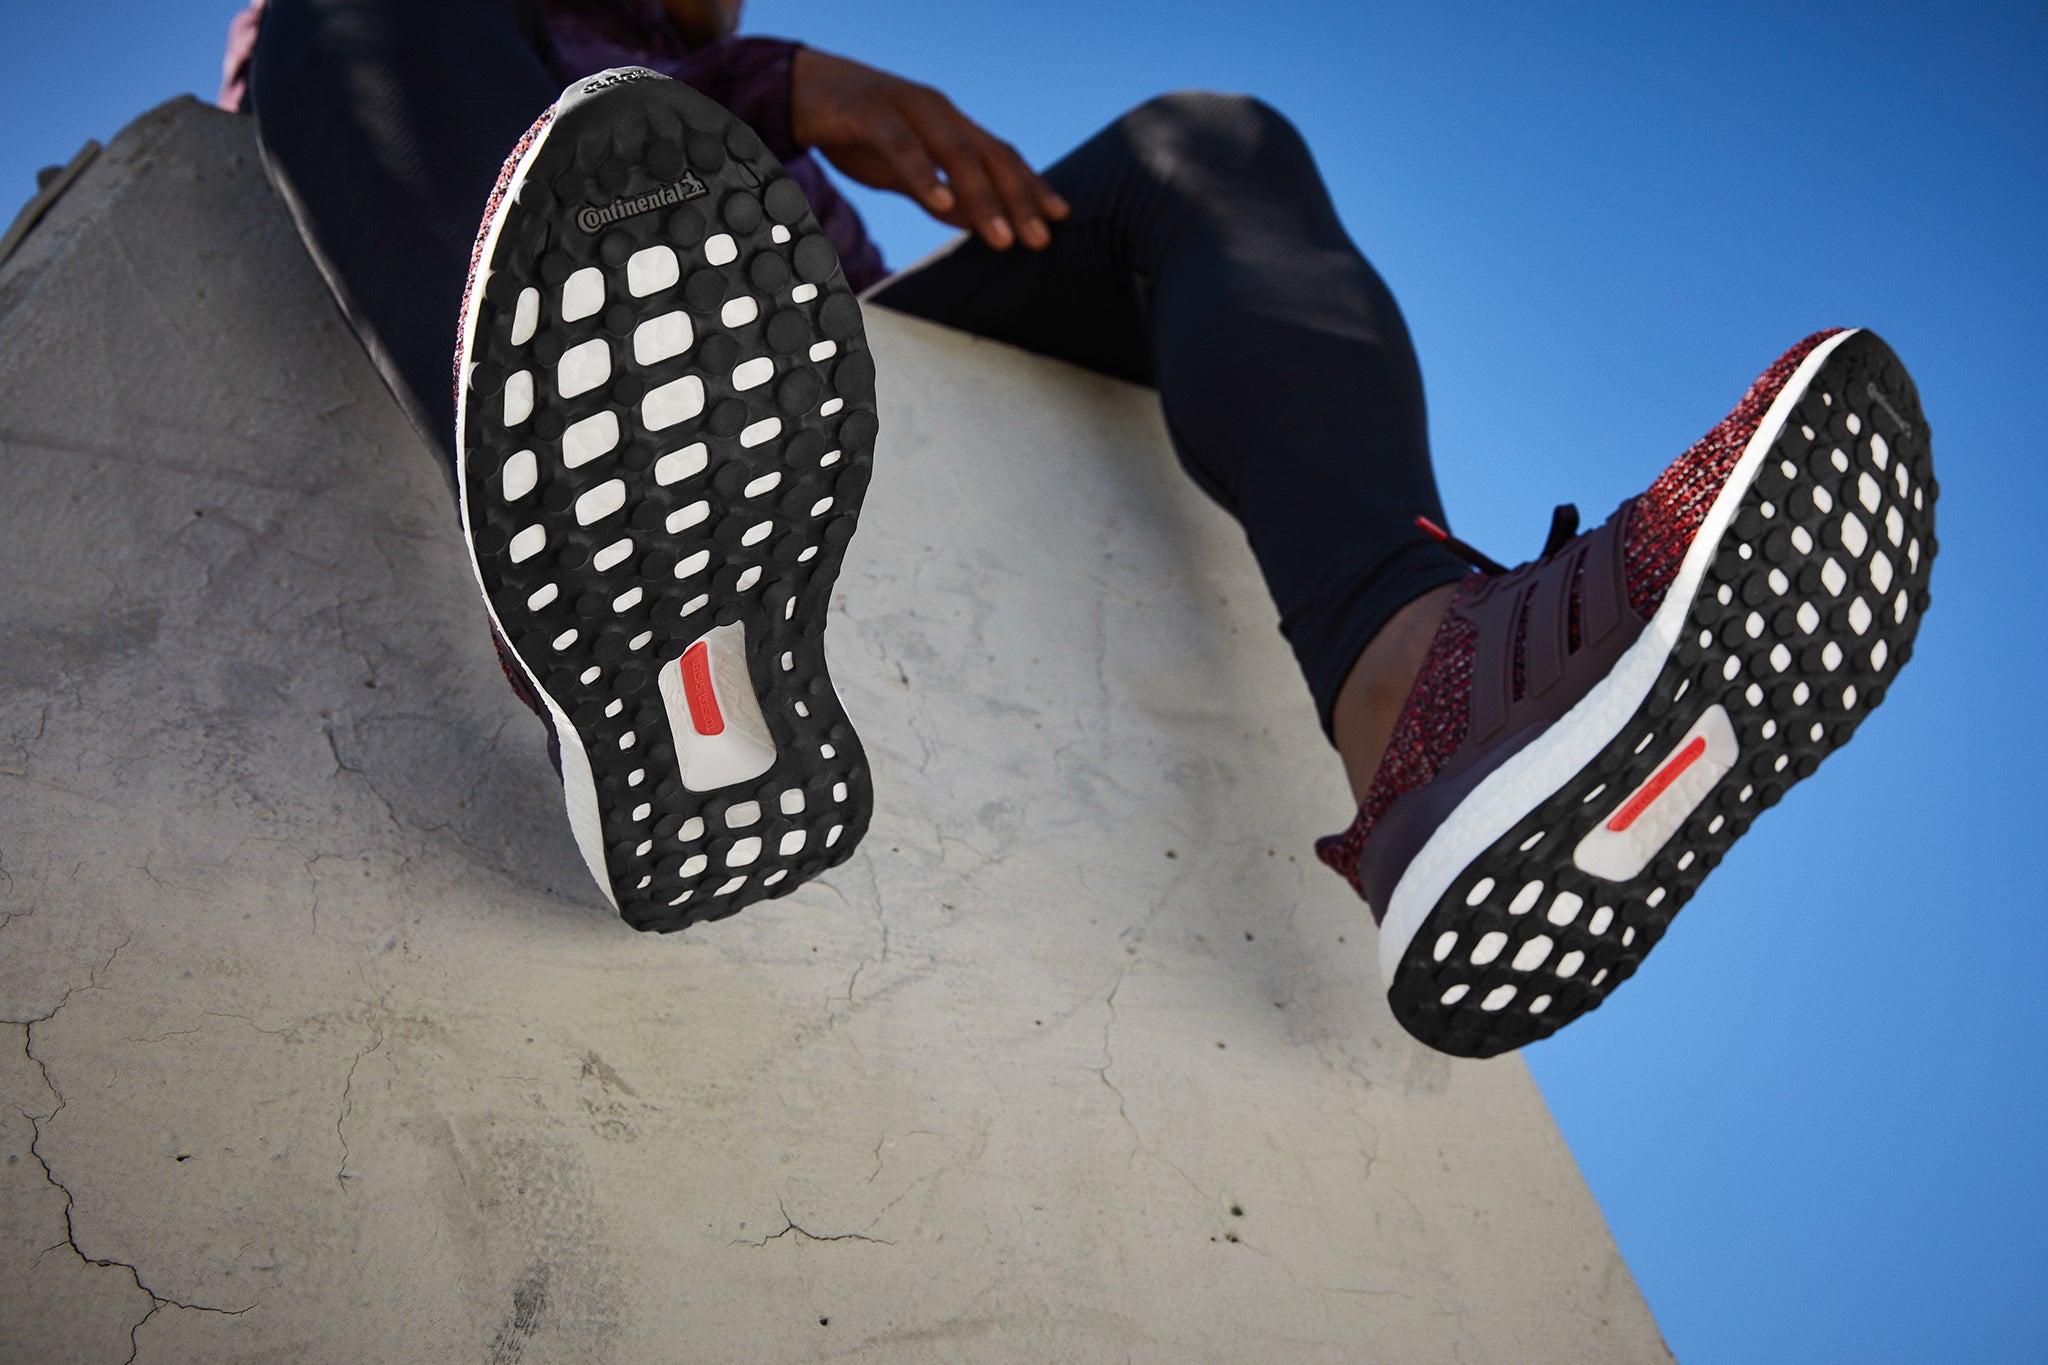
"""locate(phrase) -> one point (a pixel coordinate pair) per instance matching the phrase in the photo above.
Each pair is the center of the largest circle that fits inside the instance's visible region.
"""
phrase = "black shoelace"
(1564, 524)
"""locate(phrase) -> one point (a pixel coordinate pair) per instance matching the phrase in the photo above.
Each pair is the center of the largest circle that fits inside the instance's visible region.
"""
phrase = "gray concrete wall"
(329, 1051)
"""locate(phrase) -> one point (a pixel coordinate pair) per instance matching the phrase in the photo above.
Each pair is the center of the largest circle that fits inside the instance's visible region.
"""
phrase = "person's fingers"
(1050, 203)
(948, 139)
(980, 202)
(1012, 178)
(906, 154)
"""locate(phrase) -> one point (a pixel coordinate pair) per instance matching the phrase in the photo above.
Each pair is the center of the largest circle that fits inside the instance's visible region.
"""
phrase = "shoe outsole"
(647, 219)
(1797, 616)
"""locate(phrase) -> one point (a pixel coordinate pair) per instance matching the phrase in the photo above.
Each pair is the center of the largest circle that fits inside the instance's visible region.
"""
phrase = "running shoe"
(1591, 731)
(665, 408)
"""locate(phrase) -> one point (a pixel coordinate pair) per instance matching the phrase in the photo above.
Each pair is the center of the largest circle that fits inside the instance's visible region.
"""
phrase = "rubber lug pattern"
(595, 631)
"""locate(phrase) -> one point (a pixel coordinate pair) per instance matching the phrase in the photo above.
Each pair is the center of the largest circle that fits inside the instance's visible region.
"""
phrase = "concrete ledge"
(329, 1051)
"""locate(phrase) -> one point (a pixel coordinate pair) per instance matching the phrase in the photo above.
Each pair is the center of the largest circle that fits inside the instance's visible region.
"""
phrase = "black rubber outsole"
(633, 162)
(1823, 470)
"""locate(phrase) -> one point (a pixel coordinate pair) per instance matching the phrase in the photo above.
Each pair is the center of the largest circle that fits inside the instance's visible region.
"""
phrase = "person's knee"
(1223, 133)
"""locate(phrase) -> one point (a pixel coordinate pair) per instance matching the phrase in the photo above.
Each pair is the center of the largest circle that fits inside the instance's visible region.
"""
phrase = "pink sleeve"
(234, 68)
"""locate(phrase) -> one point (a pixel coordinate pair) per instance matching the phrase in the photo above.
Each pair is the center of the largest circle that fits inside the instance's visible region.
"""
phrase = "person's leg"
(1573, 744)
(1204, 256)
(383, 123)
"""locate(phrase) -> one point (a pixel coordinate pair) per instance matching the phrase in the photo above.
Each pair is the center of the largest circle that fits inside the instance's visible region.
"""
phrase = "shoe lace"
(1564, 524)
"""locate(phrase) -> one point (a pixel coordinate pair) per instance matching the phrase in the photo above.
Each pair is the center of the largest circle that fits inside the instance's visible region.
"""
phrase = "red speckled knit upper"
(1668, 515)
(1661, 526)
(483, 232)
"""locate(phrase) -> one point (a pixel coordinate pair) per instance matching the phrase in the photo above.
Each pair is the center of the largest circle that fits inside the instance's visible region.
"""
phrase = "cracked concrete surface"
(329, 1051)
(39, 1113)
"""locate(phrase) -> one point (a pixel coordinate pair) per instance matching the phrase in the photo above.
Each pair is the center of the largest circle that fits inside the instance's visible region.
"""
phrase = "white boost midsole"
(579, 786)
(1527, 779)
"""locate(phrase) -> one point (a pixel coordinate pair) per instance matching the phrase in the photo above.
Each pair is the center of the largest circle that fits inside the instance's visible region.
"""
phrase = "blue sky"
(1815, 1119)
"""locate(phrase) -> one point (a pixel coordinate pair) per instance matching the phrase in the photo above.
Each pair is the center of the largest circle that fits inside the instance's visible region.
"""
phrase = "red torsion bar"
(698, 691)
(1659, 784)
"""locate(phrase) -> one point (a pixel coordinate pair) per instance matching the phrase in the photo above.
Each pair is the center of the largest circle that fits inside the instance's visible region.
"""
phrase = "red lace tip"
(1431, 528)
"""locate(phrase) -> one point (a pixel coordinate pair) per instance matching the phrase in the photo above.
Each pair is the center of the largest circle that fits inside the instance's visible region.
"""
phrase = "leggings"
(1203, 257)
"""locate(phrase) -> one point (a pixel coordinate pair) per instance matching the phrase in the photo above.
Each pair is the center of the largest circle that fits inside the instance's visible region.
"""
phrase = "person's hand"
(896, 135)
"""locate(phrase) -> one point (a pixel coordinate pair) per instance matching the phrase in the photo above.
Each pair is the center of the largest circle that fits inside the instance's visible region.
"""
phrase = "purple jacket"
(749, 76)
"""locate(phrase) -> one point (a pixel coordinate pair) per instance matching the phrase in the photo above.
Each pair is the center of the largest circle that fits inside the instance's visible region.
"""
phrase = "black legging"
(1203, 256)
